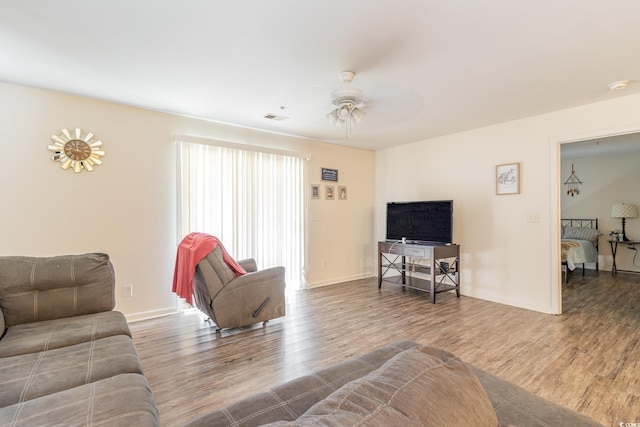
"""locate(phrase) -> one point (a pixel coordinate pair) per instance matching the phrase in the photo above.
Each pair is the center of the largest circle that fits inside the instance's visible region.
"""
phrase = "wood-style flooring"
(587, 359)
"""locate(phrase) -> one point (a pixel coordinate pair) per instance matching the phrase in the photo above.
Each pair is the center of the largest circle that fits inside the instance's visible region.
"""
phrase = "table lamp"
(624, 211)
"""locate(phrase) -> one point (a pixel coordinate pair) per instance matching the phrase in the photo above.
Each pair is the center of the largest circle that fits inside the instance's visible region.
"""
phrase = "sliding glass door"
(252, 201)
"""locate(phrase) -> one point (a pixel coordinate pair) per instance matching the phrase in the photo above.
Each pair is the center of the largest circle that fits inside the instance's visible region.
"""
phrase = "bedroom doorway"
(609, 169)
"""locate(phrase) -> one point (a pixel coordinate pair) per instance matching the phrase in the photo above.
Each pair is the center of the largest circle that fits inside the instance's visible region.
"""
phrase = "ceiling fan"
(349, 104)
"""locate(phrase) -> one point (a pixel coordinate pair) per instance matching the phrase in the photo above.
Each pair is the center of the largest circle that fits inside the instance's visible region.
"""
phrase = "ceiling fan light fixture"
(619, 85)
(333, 116)
(346, 94)
(358, 114)
(347, 99)
(344, 111)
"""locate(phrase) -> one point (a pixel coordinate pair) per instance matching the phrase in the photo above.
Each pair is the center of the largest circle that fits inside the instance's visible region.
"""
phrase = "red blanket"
(193, 248)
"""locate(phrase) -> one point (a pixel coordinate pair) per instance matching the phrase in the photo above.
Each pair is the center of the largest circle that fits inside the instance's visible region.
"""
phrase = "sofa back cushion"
(419, 387)
(291, 400)
(401, 384)
(33, 289)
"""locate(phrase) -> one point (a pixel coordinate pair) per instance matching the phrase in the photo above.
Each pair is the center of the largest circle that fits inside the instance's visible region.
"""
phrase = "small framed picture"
(508, 179)
(315, 191)
(342, 192)
(328, 192)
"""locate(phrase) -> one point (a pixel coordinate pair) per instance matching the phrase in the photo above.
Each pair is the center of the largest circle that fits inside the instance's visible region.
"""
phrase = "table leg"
(458, 277)
(379, 270)
(432, 275)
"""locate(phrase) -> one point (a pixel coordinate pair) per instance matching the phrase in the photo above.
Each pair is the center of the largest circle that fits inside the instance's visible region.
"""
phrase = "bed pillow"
(581, 233)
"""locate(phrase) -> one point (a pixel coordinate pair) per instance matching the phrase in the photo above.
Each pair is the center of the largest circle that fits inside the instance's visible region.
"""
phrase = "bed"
(579, 244)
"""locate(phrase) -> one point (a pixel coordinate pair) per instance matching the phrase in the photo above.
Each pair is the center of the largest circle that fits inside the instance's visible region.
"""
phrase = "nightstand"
(614, 250)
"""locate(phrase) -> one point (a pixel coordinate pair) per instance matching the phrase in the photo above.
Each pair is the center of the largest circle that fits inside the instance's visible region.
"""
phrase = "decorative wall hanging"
(342, 192)
(328, 192)
(315, 191)
(329, 174)
(573, 183)
(508, 179)
(76, 150)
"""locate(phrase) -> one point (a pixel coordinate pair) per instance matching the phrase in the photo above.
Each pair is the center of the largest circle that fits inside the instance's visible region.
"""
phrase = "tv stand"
(431, 266)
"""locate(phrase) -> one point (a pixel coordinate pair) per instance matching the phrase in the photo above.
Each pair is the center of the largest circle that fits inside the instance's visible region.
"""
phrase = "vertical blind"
(252, 201)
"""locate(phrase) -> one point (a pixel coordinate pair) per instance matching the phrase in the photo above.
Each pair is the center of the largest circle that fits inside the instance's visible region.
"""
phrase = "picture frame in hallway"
(508, 179)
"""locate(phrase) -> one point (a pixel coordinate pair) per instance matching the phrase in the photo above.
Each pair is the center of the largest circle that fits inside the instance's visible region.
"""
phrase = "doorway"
(608, 168)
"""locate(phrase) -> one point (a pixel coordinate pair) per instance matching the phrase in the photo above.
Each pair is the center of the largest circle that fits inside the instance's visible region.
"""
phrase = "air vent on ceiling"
(275, 117)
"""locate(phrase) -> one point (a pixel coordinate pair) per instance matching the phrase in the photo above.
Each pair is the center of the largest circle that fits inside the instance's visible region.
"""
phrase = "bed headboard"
(582, 223)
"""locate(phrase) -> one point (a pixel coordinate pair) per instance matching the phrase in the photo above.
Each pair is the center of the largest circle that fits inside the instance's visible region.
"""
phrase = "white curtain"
(252, 201)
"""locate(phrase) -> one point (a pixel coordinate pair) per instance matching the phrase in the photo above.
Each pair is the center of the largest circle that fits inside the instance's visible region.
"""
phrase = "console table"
(614, 250)
(430, 267)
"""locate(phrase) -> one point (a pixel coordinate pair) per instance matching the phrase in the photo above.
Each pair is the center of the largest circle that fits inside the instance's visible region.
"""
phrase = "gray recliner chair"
(232, 302)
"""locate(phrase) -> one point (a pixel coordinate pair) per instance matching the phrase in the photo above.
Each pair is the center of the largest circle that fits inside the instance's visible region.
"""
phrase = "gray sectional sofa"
(66, 358)
(402, 384)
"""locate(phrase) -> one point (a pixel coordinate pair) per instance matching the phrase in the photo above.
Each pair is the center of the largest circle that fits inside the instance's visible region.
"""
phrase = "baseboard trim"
(144, 315)
(338, 280)
(492, 297)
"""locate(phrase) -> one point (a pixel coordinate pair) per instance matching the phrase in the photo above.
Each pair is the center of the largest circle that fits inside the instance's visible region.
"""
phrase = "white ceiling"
(428, 68)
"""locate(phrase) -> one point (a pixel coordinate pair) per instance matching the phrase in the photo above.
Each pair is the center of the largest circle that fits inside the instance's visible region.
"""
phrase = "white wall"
(127, 206)
(607, 180)
(345, 227)
(505, 258)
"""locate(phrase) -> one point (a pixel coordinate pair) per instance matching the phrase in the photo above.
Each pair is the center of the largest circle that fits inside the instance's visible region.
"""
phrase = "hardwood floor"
(587, 359)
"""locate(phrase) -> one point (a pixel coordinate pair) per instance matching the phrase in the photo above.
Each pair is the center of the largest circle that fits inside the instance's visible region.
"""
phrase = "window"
(252, 201)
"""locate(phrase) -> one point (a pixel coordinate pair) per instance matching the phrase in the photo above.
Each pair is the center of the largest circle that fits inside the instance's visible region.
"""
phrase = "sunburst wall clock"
(76, 150)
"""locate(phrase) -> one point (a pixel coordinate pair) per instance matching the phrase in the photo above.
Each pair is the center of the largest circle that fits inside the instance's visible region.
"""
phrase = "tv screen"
(429, 221)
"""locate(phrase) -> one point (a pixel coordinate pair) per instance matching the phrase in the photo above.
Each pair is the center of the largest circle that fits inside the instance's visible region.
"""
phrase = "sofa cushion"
(50, 334)
(34, 375)
(290, 400)
(424, 386)
(124, 400)
(516, 406)
(35, 289)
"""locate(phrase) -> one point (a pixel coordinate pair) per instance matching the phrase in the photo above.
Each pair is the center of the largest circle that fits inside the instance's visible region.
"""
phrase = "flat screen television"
(428, 221)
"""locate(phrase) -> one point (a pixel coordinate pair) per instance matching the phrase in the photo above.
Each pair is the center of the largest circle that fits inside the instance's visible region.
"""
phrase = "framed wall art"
(329, 174)
(315, 191)
(508, 179)
(328, 192)
(342, 192)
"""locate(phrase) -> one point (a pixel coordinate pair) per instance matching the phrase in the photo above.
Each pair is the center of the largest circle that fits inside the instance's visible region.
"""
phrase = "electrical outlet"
(127, 290)
(324, 264)
(533, 217)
